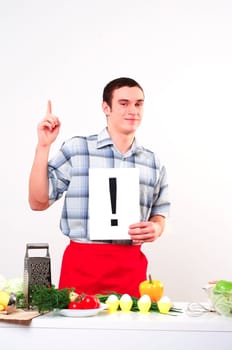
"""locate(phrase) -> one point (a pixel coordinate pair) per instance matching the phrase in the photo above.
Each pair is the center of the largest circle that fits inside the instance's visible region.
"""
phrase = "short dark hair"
(117, 84)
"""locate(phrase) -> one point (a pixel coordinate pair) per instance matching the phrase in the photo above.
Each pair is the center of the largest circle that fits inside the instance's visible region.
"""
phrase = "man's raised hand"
(48, 128)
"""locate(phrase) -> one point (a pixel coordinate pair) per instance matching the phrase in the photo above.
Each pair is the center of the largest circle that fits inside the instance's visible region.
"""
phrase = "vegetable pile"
(9, 288)
(49, 299)
(222, 297)
(83, 302)
(46, 299)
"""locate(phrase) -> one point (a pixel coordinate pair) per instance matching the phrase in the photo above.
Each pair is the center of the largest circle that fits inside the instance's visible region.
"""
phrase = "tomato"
(74, 305)
(85, 302)
(90, 302)
(153, 288)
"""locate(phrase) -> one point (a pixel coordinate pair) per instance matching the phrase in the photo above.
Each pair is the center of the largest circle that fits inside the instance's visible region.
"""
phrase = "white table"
(120, 331)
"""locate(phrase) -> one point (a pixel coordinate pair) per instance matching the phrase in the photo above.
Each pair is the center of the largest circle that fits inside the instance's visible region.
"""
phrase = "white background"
(181, 53)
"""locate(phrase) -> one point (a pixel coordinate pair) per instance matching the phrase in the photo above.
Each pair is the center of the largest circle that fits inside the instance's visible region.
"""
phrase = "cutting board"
(19, 316)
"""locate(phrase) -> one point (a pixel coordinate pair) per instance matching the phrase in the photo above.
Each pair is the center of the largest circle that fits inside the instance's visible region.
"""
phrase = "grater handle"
(37, 246)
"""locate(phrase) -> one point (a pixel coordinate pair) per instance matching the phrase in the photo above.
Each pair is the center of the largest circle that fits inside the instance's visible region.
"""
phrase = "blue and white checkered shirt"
(68, 172)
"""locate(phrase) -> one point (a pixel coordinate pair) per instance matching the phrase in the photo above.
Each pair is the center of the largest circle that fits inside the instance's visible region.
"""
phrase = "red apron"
(103, 268)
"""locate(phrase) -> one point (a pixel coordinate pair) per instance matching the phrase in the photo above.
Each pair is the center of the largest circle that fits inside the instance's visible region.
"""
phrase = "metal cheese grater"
(37, 269)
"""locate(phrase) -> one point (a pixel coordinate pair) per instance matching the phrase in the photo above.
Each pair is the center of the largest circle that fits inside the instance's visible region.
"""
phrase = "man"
(107, 266)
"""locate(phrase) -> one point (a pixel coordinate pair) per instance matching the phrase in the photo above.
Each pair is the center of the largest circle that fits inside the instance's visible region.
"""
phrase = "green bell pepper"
(223, 286)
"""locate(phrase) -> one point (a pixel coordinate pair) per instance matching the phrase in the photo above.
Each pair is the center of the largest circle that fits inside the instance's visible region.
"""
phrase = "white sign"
(113, 202)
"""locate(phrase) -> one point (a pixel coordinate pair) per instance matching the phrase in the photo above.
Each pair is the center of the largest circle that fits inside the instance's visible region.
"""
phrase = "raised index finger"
(49, 107)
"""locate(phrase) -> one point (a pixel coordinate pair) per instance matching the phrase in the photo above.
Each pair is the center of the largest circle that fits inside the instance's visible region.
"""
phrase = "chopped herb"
(48, 298)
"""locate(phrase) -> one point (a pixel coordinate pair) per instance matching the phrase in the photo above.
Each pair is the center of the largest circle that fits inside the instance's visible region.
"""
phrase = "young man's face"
(126, 111)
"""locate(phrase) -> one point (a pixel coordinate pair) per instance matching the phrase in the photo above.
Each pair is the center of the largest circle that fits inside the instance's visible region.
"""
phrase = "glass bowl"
(222, 302)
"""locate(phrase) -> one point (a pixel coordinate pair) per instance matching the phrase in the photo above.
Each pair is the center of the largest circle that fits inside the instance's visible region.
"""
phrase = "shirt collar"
(104, 140)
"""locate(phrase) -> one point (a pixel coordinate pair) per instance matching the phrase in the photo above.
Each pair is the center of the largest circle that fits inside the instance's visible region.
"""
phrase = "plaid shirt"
(68, 172)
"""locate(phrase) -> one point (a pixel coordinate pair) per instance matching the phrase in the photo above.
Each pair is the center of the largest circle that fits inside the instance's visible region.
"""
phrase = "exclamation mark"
(113, 198)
